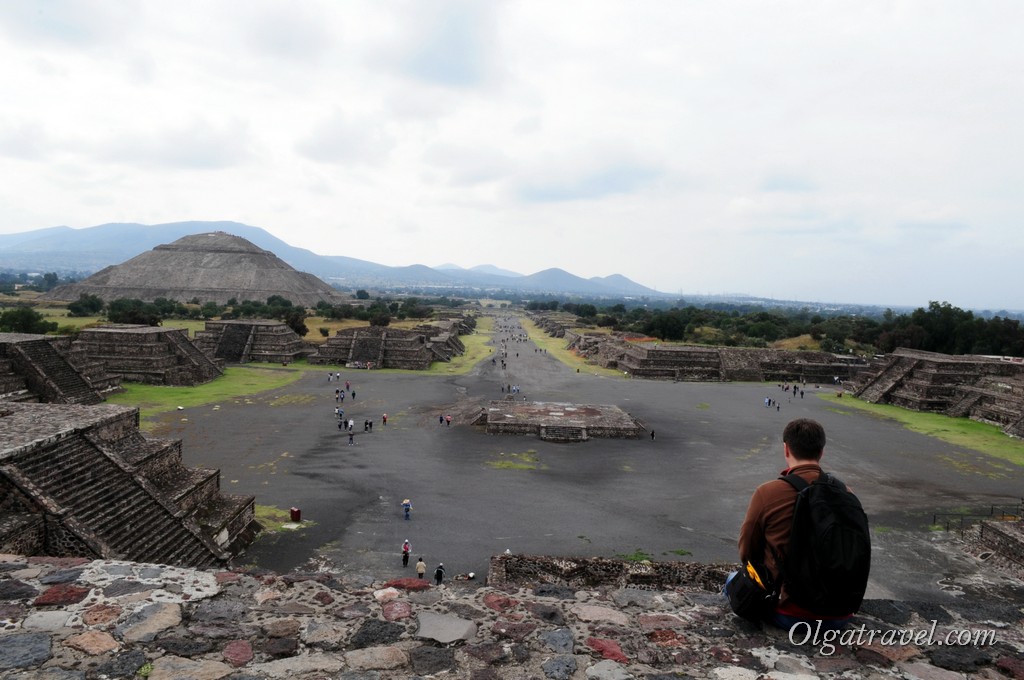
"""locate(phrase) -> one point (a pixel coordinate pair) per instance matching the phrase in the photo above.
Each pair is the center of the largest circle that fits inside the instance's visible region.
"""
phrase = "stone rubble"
(74, 619)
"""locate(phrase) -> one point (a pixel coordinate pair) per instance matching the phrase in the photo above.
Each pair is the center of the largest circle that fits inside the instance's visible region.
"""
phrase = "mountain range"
(84, 251)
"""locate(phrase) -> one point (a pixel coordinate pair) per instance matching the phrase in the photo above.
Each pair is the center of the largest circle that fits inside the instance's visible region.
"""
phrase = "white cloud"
(342, 140)
(791, 149)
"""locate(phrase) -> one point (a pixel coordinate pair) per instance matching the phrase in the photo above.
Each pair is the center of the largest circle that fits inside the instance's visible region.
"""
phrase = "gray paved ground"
(685, 491)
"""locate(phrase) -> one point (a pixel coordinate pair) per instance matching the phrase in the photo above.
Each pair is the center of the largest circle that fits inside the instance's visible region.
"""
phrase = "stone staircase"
(563, 433)
(367, 350)
(49, 374)
(203, 367)
(963, 405)
(112, 511)
(233, 344)
(876, 388)
(107, 490)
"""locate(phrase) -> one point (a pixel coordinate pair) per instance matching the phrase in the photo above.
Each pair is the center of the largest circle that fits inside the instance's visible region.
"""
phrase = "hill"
(84, 251)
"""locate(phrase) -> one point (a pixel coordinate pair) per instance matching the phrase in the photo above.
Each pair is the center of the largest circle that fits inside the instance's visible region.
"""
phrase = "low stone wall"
(22, 534)
(1005, 538)
(590, 572)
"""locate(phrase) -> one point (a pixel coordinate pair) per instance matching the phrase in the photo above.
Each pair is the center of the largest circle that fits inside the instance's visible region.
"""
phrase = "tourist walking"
(421, 568)
(439, 573)
(406, 549)
(407, 508)
(351, 437)
(384, 419)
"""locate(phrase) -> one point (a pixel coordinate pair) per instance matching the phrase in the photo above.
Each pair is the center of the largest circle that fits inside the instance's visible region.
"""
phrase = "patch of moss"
(517, 461)
(637, 555)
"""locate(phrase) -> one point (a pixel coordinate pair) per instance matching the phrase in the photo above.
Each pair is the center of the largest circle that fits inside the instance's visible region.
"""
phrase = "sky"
(858, 152)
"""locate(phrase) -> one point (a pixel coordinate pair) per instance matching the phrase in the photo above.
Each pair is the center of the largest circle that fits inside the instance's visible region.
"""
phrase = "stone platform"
(555, 421)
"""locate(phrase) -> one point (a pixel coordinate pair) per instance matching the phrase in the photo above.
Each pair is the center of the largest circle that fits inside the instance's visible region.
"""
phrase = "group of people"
(348, 425)
(421, 566)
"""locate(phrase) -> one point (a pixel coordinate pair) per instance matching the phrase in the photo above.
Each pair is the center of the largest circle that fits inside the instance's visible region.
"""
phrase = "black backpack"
(828, 557)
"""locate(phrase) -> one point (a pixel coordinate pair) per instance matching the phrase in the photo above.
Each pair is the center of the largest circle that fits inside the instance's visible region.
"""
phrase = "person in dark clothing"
(439, 574)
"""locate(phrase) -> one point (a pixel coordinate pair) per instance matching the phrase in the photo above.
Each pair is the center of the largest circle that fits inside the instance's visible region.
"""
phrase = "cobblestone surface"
(203, 624)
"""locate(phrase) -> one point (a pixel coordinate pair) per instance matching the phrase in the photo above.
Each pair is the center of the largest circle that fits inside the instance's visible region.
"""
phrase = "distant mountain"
(480, 269)
(84, 251)
(497, 271)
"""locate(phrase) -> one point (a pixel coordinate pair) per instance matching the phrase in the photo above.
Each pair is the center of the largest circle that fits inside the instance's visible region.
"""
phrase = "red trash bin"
(296, 515)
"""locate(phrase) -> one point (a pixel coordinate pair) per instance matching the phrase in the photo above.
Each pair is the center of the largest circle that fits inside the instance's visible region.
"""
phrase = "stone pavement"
(65, 619)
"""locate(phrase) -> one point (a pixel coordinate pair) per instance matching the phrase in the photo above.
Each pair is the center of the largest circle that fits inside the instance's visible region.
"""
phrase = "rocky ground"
(64, 619)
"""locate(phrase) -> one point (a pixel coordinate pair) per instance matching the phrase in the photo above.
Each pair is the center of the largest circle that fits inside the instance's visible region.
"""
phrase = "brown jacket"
(765, 530)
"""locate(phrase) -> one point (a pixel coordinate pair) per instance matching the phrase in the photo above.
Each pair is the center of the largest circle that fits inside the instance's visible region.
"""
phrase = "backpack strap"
(796, 481)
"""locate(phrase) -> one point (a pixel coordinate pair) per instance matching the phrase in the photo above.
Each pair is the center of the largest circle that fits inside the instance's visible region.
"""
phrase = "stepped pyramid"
(212, 267)
(83, 481)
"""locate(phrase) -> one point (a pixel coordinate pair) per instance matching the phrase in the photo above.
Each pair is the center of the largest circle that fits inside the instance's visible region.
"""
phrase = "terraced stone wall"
(146, 354)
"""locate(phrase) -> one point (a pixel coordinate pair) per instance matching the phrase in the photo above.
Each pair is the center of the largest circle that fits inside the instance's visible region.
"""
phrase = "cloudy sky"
(826, 151)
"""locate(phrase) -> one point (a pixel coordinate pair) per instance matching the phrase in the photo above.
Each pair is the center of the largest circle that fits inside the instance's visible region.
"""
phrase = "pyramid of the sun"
(213, 267)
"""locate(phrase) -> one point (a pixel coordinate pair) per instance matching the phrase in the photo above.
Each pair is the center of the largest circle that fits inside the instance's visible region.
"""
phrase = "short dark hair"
(806, 439)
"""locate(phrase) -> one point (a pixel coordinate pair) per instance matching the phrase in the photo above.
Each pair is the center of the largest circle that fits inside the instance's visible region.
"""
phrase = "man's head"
(804, 439)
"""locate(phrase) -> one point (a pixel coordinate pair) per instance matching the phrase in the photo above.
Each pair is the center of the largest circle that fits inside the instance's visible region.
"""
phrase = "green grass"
(556, 348)
(236, 383)
(517, 461)
(963, 432)
(637, 555)
(273, 519)
(682, 552)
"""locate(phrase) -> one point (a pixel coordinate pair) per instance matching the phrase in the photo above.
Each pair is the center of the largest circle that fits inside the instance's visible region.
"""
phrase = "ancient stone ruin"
(386, 347)
(148, 354)
(558, 422)
(47, 368)
(213, 267)
(989, 389)
(84, 481)
(654, 360)
(576, 573)
(241, 341)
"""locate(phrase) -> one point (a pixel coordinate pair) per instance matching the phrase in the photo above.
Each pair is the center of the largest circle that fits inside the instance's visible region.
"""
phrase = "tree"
(296, 320)
(380, 320)
(124, 310)
(85, 305)
(362, 294)
(209, 310)
(25, 320)
(278, 301)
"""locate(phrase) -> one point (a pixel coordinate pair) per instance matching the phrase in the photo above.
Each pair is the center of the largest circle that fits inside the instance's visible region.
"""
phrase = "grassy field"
(236, 383)
(556, 348)
(801, 342)
(969, 434)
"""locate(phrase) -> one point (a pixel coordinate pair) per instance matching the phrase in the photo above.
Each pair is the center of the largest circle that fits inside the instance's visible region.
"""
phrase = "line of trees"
(940, 327)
